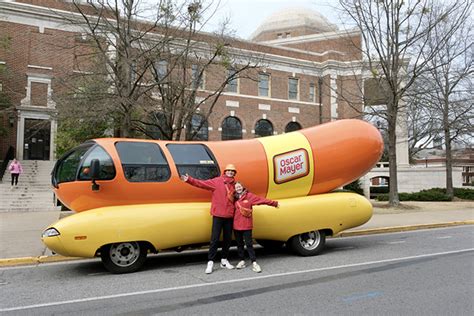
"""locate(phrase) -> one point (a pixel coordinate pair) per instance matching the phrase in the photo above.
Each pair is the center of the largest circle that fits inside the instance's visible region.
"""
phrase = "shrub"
(378, 190)
(355, 187)
(434, 194)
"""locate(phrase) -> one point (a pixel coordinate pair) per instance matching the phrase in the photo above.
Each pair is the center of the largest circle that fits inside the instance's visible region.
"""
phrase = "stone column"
(402, 136)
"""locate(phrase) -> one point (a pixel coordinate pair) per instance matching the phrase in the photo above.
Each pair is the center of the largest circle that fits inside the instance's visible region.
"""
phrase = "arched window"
(263, 128)
(157, 120)
(231, 128)
(292, 126)
(193, 126)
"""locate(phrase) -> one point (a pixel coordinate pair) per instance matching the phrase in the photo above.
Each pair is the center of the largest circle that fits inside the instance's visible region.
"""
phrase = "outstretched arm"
(203, 184)
(257, 200)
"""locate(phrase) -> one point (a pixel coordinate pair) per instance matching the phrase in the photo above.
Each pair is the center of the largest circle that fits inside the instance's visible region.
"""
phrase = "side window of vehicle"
(66, 168)
(195, 160)
(107, 169)
(143, 162)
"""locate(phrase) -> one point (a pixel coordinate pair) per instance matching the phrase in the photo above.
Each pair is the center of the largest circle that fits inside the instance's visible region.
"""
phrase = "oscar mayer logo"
(290, 165)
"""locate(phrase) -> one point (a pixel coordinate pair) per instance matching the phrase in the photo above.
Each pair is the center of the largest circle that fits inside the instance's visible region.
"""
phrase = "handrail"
(8, 156)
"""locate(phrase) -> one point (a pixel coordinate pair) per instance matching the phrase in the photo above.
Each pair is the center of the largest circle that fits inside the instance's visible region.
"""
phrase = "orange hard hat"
(230, 167)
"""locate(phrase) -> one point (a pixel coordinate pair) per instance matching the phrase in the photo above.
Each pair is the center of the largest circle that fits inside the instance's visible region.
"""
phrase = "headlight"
(50, 232)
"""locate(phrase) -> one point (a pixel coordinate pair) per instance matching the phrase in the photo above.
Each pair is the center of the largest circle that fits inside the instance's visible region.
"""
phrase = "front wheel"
(123, 257)
(308, 244)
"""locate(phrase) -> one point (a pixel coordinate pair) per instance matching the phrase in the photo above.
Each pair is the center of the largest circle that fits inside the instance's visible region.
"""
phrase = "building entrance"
(37, 140)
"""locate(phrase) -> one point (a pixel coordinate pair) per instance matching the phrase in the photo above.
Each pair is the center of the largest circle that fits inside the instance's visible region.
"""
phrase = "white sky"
(247, 15)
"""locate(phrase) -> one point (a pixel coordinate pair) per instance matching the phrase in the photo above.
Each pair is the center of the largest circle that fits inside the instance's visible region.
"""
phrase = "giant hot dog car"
(130, 200)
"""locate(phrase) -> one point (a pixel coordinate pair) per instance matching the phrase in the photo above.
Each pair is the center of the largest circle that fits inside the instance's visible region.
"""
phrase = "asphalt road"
(428, 272)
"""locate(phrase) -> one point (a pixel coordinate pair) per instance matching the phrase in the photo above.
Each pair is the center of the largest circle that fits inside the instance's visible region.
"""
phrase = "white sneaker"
(241, 264)
(256, 267)
(210, 265)
(226, 264)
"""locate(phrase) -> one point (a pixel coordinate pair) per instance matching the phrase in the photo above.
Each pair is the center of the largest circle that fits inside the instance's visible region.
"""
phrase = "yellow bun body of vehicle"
(156, 227)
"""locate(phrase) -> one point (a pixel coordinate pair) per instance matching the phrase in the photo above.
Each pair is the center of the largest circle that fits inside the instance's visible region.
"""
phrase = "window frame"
(266, 120)
(235, 80)
(297, 88)
(136, 164)
(312, 92)
(206, 149)
(195, 70)
(222, 128)
(269, 86)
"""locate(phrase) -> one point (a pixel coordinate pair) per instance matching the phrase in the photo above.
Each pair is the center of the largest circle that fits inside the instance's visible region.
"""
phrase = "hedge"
(435, 194)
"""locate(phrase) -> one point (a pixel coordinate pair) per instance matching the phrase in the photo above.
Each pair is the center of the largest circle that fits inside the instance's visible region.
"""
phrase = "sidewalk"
(20, 232)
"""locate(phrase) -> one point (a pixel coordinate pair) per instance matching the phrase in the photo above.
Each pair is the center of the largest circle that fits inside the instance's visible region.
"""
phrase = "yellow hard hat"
(230, 167)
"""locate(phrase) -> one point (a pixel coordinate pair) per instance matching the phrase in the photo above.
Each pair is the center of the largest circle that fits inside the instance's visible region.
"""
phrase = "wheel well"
(327, 232)
(145, 243)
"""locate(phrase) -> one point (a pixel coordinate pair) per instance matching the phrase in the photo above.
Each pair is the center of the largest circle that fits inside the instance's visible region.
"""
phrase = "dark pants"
(15, 178)
(240, 237)
(220, 224)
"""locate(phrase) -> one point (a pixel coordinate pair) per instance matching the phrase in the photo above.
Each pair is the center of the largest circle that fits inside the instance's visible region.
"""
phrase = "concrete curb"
(396, 229)
(58, 258)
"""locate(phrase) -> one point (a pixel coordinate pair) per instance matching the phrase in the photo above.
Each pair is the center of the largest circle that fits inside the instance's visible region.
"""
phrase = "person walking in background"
(222, 211)
(15, 171)
(243, 223)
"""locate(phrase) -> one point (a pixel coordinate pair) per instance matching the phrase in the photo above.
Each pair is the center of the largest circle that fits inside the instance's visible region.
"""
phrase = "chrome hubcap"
(310, 240)
(124, 254)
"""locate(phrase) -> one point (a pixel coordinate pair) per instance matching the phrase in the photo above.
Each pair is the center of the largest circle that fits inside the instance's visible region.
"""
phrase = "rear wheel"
(123, 257)
(308, 244)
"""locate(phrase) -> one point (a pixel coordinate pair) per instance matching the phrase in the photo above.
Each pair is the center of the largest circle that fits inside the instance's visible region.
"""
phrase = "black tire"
(308, 244)
(123, 257)
(273, 245)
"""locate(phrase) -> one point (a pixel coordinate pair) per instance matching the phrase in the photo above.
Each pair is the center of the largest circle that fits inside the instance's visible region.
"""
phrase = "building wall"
(41, 57)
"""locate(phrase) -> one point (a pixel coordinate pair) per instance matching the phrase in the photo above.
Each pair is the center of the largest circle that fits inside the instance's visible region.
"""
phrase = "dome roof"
(293, 18)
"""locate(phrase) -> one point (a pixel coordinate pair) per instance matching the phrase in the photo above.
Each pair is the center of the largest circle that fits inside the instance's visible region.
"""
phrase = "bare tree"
(450, 79)
(154, 60)
(396, 32)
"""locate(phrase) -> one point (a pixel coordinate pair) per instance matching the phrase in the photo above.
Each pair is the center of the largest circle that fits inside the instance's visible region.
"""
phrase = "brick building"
(311, 74)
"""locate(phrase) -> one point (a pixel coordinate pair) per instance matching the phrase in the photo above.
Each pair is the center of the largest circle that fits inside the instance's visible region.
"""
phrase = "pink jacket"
(248, 200)
(15, 168)
(222, 202)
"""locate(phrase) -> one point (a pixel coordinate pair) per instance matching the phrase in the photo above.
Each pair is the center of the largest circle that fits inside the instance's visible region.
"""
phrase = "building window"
(143, 162)
(293, 89)
(292, 126)
(233, 84)
(195, 160)
(161, 69)
(231, 128)
(264, 85)
(263, 128)
(193, 126)
(312, 92)
(197, 76)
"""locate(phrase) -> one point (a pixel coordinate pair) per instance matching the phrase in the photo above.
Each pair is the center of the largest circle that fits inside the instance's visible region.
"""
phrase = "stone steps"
(34, 191)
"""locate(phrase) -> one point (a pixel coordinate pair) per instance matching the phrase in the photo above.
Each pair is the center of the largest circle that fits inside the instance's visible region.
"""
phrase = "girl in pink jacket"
(243, 223)
(15, 170)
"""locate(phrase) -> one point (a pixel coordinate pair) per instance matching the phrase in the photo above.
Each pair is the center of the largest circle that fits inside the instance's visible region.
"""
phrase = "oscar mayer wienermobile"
(130, 200)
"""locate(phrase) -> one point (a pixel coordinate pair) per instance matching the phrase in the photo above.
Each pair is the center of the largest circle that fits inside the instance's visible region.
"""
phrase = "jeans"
(240, 237)
(220, 224)
(15, 178)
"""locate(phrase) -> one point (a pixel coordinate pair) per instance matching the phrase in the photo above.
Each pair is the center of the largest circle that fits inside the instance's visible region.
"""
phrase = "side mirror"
(95, 172)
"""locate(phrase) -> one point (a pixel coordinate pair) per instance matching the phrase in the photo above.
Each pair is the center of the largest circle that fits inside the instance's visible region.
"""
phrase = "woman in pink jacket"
(222, 211)
(243, 223)
(15, 170)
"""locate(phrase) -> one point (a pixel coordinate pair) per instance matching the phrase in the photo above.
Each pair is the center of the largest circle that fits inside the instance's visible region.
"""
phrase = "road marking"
(444, 237)
(191, 286)
(396, 242)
